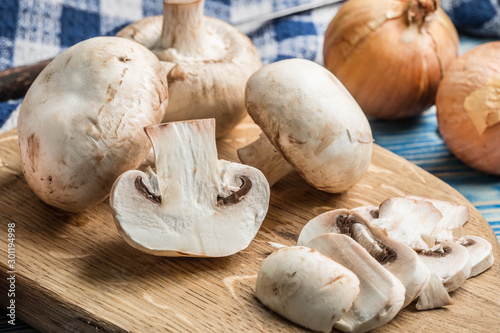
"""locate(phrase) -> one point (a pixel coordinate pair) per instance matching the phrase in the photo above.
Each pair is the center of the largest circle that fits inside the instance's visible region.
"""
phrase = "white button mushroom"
(306, 287)
(313, 123)
(81, 122)
(209, 62)
(195, 204)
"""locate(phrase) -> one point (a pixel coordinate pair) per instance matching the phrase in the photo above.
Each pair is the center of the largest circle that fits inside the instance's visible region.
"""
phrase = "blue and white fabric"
(476, 17)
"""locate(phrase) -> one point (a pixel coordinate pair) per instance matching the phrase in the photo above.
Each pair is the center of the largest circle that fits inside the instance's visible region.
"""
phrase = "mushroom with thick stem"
(312, 122)
(306, 287)
(381, 295)
(395, 256)
(208, 60)
(194, 204)
(80, 124)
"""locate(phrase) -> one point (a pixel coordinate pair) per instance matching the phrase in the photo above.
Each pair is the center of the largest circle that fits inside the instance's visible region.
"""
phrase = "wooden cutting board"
(75, 273)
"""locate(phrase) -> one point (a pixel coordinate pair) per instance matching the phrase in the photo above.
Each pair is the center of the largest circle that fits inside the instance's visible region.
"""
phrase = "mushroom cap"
(192, 205)
(80, 124)
(306, 287)
(211, 86)
(313, 121)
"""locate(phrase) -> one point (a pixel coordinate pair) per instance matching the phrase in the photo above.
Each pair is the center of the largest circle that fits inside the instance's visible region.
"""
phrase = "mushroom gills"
(306, 287)
(193, 204)
(395, 256)
(381, 295)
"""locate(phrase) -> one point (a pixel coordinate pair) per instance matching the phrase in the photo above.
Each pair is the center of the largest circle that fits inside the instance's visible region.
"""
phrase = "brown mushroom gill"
(236, 196)
(442, 252)
(354, 227)
(146, 191)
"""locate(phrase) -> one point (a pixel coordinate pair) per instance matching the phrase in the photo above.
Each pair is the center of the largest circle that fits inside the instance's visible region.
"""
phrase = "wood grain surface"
(75, 273)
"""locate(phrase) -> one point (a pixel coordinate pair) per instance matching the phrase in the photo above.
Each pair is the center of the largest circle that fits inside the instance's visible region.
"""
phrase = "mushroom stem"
(262, 155)
(182, 26)
(186, 171)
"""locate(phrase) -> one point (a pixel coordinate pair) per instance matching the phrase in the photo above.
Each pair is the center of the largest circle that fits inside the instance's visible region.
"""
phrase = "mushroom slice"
(208, 62)
(306, 287)
(409, 221)
(480, 253)
(195, 204)
(448, 260)
(454, 216)
(310, 122)
(434, 296)
(381, 294)
(369, 213)
(395, 256)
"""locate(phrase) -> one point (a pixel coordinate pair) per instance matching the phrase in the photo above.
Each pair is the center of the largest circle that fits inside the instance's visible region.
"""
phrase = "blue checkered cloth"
(476, 17)
(33, 30)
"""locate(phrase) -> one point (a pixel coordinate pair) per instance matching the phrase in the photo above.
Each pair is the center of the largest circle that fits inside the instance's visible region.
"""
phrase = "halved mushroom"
(313, 123)
(395, 256)
(449, 261)
(306, 287)
(209, 62)
(381, 295)
(80, 124)
(480, 253)
(409, 221)
(195, 204)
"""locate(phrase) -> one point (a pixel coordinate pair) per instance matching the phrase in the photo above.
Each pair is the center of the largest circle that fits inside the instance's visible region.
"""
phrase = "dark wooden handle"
(14, 82)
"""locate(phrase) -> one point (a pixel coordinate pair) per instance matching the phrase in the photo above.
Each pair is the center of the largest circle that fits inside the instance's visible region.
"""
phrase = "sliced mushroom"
(208, 60)
(454, 217)
(381, 295)
(434, 295)
(395, 256)
(195, 204)
(480, 253)
(306, 287)
(80, 124)
(369, 213)
(409, 221)
(312, 122)
(449, 261)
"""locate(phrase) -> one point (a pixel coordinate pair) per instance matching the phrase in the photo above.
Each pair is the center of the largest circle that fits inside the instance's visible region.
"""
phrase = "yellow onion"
(468, 108)
(391, 54)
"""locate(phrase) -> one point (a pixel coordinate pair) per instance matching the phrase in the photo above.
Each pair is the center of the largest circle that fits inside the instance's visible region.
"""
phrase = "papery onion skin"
(391, 67)
(468, 108)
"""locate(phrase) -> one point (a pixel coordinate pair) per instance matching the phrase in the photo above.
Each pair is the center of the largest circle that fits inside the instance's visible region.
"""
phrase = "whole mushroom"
(209, 62)
(312, 122)
(80, 124)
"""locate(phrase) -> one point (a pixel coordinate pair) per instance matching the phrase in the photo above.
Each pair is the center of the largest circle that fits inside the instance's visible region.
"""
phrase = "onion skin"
(390, 63)
(468, 107)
